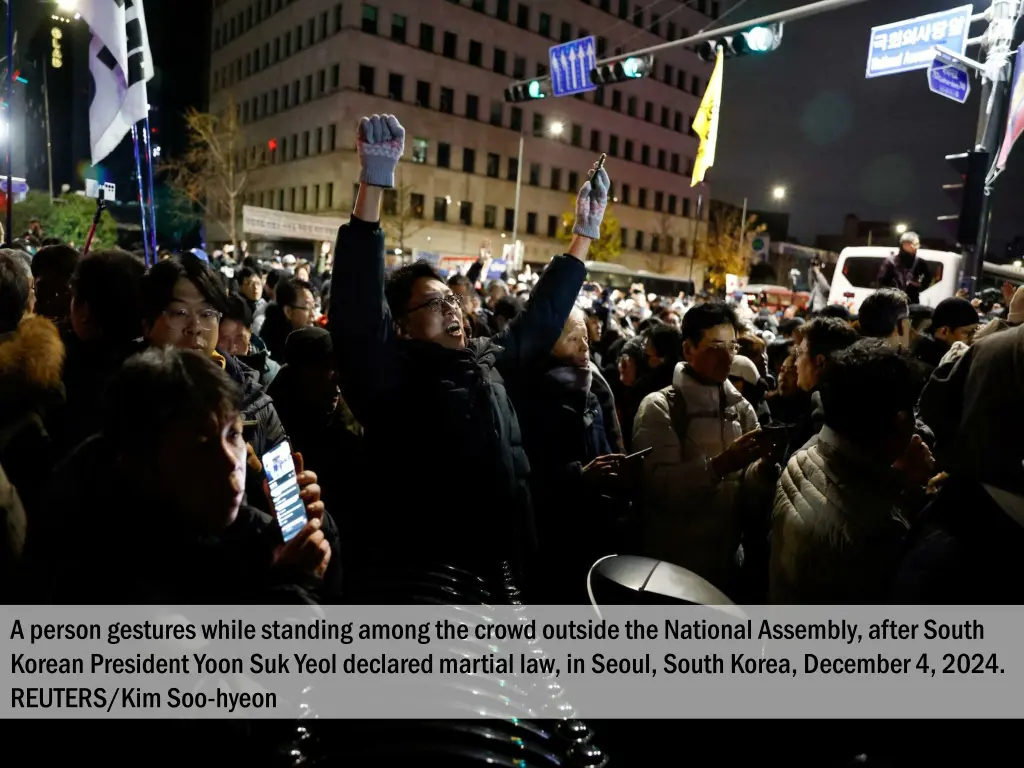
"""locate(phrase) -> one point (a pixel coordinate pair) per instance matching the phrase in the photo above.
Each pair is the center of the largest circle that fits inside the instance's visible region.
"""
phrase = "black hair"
(706, 316)
(236, 308)
(399, 287)
(274, 277)
(110, 283)
(881, 312)
(56, 261)
(837, 311)
(290, 290)
(825, 335)
(508, 307)
(667, 342)
(245, 273)
(865, 386)
(459, 280)
(14, 290)
(158, 284)
(169, 386)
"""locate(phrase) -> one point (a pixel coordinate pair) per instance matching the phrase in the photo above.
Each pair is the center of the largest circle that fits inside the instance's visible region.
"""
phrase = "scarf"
(572, 378)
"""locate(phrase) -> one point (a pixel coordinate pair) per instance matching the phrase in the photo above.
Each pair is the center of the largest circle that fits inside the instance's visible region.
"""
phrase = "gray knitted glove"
(590, 204)
(380, 140)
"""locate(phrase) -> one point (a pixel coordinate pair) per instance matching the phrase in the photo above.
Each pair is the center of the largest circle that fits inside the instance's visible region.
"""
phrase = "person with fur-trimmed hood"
(31, 358)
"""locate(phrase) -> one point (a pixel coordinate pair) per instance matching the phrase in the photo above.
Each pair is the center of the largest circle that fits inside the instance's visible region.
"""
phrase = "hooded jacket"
(438, 419)
(260, 361)
(690, 515)
(31, 394)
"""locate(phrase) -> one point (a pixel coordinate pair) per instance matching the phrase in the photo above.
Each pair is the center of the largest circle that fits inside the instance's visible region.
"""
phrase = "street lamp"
(554, 129)
(901, 228)
(779, 193)
(67, 5)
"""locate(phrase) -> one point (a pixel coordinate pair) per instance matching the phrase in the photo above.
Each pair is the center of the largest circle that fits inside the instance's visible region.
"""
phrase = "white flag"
(121, 64)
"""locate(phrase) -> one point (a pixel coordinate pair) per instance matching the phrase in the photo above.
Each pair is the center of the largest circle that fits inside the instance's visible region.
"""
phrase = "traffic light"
(629, 68)
(762, 39)
(527, 91)
(969, 194)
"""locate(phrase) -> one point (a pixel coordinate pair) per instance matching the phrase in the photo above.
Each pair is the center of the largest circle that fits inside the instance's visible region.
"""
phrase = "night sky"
(805, 117)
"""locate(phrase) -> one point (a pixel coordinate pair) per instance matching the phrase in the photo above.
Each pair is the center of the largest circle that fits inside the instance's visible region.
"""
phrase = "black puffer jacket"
(440, 418)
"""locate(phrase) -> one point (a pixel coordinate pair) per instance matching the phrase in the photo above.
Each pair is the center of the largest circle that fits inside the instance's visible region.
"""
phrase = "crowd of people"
(467, 440)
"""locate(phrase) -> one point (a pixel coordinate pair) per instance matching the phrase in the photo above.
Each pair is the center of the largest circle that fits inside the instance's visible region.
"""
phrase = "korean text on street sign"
(949, 80)
(570, 66)
(904, 46)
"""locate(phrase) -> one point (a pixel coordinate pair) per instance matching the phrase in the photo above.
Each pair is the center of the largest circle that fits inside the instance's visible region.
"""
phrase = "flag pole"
(10, 110)
(142, 201)
(151, 199)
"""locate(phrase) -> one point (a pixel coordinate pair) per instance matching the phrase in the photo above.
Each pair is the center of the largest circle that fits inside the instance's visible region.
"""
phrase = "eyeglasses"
(438, 303)
(180, 319)
(725, 346)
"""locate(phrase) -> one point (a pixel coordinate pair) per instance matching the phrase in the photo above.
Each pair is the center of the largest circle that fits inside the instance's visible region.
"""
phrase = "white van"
(856, 275)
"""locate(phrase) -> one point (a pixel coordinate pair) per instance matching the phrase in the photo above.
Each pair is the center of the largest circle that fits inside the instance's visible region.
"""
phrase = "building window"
(628, 153)
(298, 38)
(447, 104)
(305, 190)
(602, 46)
(544, 26)
(638, 241)
(416, 205)
(531, 223)
(295, 93)
(552, 226)
(396, 86)
(466, 212)
(565, 32)
(538, 124)
(623, 9)
(472, 106)
(480, 6)
(631, 106)
(681, 80)
(510, 218)
(389, 204)
(670, 32)
(613, 145)
(655, 25)
(419, 150)
(577, 136)
(493, 165)
(321, 82)
(675, 162)
(398, 26)
(329, 195)
(440, 209)
(323, 25)
(649, 112)
(672, 204)
(664, 117)
(295, 146)
(501, 12)
(490, 217)
(499, 61)
(469, 160)
(661, 159)
(319, 140)
(291, 199)
(369, 19)
(534, 174)
(645, 155)
(337, 18)
(332, 138)
(654, 244)
(308, 86)
(476, 53)
(642, 198)
(519, 67)
(523, 16)
(625, 194)
(497, 113)
(422, 94)
(273, 102)
(280, 199)
(513, 169)
(451, 43)
(638, 16)
(311, 31)
(677, 123)
(595, 141)
(624, 237)
(617, 101)
(556, 178)
(516, 122)
(686, 207)
(427, 37)
(659, 201)
(695, 86)
(444, 155)
(365, 79)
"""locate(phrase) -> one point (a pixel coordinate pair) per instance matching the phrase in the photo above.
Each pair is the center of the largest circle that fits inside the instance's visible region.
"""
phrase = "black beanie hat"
(954, 313)
(309, 346)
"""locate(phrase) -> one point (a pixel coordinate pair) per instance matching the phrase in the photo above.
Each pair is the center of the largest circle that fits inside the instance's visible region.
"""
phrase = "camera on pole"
(760, 39)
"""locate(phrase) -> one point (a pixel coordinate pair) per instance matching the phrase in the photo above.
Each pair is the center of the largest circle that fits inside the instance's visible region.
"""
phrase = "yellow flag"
(705, 123)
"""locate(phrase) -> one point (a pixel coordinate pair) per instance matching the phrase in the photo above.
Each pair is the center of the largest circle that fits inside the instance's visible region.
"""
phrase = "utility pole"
(49, 144)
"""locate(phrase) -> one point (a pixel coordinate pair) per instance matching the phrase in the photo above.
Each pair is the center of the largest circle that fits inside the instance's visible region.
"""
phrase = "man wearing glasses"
(432, 402)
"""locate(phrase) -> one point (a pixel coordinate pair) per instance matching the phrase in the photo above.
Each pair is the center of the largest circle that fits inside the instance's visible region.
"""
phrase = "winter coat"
(605, 395)
(260, 361)
(893, 274)
(31, 395)
(13, 525)
(929, 350)
(837, 528)
(690, 516)
(439, 419)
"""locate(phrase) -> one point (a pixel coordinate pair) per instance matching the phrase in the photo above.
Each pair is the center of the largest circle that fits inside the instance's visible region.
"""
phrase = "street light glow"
(779, 193)
(557, 128)
(67, 5)
(901, 228)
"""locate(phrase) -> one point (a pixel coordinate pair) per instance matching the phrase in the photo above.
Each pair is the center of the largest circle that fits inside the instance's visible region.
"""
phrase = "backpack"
(677, 412)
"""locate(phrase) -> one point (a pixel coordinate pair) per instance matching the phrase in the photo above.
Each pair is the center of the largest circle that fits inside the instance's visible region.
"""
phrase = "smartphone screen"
(284, 490)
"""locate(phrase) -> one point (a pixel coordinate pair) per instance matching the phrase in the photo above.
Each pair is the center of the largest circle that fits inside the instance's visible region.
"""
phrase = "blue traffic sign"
(571, 64)
(949, 80)
(20, 185)
(904, 46)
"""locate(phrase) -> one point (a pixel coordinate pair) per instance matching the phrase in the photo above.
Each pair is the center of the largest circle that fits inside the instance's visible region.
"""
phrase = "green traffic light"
(631, 67)
(533, 89)
(760, 39)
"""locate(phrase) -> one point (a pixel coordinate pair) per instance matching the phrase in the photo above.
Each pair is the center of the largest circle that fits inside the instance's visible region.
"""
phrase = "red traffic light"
(272, 145)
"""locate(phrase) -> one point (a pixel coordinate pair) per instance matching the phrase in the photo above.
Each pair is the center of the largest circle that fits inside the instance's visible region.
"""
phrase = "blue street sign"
(20, 185)
(571, 64)
(949, 80)
(908, 45)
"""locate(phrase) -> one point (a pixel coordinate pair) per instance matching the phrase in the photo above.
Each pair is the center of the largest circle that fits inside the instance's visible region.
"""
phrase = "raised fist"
(591, 203)
(380, 140)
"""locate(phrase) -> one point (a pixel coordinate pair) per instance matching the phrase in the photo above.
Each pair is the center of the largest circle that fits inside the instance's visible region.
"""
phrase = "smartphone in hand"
(638, 455)
(279, 467)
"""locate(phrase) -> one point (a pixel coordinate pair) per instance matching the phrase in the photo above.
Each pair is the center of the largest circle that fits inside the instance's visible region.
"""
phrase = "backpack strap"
(677, 412)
